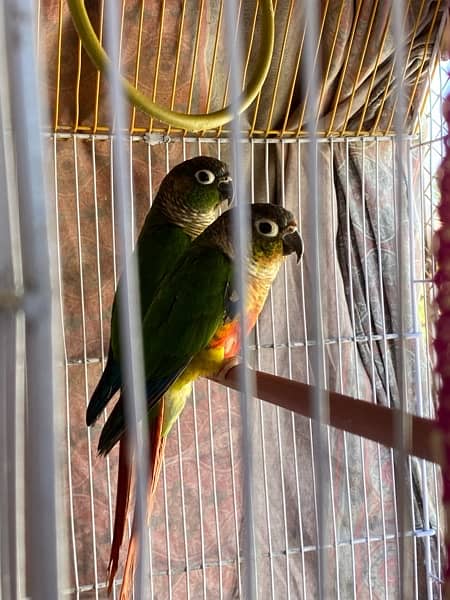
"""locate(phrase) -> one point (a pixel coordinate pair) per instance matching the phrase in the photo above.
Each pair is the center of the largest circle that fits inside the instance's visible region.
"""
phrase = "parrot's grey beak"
(292, 242)
(225, 187)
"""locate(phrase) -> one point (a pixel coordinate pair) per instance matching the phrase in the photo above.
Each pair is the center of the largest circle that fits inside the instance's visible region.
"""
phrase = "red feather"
(157, 444)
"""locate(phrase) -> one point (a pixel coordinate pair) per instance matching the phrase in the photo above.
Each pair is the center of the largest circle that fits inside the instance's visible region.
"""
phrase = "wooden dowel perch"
(368, 420)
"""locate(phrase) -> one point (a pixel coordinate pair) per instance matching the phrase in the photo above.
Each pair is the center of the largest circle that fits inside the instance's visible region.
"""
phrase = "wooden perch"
(368, 420)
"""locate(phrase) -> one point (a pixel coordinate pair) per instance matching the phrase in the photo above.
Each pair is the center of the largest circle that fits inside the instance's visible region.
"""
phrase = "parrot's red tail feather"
(157, 446)
(122, 502)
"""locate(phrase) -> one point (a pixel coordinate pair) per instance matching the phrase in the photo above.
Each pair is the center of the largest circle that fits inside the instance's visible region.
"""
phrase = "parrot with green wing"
(186, 203)
(192, 327)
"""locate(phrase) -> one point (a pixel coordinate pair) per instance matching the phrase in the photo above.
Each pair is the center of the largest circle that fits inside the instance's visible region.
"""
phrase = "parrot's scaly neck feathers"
(191, 220)
(264, 269)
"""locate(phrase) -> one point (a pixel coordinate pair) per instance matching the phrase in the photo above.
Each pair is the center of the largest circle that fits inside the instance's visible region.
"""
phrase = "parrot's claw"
(227, 365)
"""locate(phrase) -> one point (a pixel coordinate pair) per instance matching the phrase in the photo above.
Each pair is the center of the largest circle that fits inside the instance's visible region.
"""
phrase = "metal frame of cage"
(31, 322)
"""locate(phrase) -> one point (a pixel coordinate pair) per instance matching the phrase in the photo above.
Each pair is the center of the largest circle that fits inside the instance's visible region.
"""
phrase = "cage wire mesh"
(197, 536)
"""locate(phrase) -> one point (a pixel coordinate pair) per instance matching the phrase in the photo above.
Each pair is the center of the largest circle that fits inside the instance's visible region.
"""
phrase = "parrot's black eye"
(267, 227)
(205, 177)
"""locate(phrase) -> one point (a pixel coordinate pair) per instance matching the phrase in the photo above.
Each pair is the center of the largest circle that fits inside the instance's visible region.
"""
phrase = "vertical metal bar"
(261, 404)
(214, 485)
(307, 369)
(426, 194)
(299, 504)
(309, 366)
(58, 67)
(340, 371)
(158, 56)
(362, 442)
(165, 491)
(113, 212)
(350, 519)
(45, 550)
(395, 482)
(149, 537)
(265, 477)
(213, 471)
(413, 528)
(12, 360)
(97, 250)
(279, 436)
(183, 509)
(418, 367)
(199, 480)
(349, 266)
(180, 458)
(98, 77)
(85, 372)
(102, 339)
(130, 310)
(241, 240)
(76, 119)
(402, 425)
(233, 488)
(302, 271)
(198, 464)
(131, 184)
(166, 518)
(200, 500)
(422, 285)
(319, 400)
(232, 468)
(66, 382)
(355, 357)
(386, 383)
(275, 357)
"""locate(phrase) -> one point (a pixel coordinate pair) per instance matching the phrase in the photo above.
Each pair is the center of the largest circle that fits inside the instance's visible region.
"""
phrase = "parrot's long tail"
(122, 502)
(157, 444)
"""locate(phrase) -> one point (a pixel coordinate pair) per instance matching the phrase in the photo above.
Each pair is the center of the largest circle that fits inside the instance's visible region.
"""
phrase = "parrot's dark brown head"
(274, 235)
(192, 192)
(274, 231)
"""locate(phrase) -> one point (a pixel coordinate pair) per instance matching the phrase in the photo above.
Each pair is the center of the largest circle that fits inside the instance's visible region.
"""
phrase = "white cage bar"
(331, 514)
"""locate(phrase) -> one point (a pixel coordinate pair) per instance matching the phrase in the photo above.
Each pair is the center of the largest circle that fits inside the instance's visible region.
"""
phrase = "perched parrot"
(192, 327)
(186, 203)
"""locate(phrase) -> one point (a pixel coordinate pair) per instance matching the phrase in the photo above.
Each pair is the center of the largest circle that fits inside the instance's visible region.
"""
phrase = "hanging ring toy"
(189, 122)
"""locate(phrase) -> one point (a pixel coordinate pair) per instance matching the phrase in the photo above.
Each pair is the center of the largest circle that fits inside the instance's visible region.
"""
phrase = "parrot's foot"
(227, 365)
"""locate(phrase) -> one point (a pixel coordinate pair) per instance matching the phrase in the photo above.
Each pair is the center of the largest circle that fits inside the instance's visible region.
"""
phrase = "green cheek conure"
(186, 203)
(192, 327)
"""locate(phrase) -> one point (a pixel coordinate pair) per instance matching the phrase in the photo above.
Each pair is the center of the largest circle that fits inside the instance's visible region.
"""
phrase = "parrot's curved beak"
(292, 242)
(225, 187)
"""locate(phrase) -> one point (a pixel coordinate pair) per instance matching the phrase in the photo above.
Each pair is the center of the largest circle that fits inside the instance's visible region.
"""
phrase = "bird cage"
(309, 485)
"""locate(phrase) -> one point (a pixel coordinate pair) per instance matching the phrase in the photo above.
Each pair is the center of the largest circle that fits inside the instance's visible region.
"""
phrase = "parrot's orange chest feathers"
(228, 335)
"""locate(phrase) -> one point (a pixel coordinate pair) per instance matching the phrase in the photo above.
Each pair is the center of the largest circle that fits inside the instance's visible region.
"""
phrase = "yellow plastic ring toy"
(189, 122)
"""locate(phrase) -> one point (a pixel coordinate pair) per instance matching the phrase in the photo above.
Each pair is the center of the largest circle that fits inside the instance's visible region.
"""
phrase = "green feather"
(157, 251)
(186, 312)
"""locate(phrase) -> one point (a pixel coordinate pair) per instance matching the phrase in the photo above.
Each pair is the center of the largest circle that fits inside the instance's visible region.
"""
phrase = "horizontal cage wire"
(176, 55)
(372, 523)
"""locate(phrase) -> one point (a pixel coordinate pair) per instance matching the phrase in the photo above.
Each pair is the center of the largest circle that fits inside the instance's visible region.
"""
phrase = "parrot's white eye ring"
(204, 176)
(267, 227)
